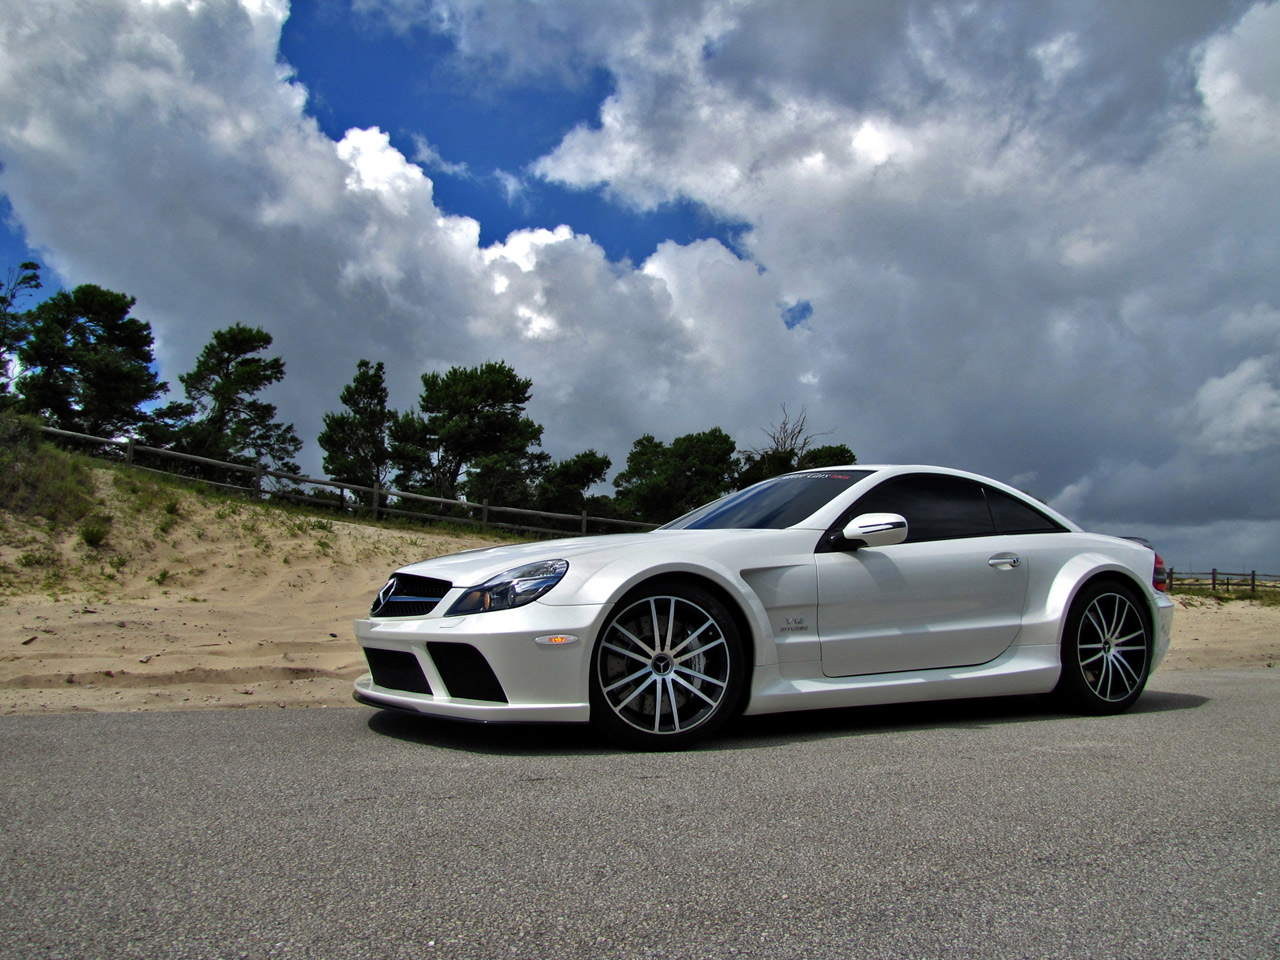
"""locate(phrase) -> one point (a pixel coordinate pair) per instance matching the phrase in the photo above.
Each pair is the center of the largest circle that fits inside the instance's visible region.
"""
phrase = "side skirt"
(1019, 670)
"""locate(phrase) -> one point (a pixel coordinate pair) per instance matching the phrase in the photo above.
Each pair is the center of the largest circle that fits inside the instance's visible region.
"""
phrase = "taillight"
(1160, 579)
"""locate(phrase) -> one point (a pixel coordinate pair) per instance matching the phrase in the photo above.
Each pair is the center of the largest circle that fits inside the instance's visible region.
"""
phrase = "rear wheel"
(1106, 650)
(667, 668)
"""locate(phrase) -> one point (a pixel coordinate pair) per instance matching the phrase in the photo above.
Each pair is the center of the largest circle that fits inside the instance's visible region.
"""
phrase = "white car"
(825, 588)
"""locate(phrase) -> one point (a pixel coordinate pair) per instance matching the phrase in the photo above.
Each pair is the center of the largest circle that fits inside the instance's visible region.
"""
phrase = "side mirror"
(875, 530)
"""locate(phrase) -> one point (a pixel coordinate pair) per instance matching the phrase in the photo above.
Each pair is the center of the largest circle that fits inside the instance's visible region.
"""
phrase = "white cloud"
(513, 187)
(380, 169)
(521, 248)
(1241, 81)
(1239, 412)
(1058, 57)
(429, 157)
(1259, 324)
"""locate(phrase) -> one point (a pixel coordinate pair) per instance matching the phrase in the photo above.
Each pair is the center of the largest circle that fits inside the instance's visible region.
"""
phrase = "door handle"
(1007, 561)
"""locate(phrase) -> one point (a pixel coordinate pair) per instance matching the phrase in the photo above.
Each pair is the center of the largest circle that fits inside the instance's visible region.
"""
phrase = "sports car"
(823, 588)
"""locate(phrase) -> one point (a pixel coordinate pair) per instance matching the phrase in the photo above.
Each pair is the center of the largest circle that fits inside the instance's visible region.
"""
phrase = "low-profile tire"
(667, 669)
(1106, 650)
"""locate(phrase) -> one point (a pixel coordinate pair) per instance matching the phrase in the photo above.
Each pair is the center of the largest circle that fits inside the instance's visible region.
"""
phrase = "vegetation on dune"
(1238, 591)
(70, 525)
(39, 480)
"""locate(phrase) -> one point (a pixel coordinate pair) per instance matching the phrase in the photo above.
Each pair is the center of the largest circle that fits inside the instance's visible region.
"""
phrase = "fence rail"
(1216, 580)
(384, 501)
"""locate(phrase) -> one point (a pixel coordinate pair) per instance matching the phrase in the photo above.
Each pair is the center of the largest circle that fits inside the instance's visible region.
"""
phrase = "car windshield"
(772, 504)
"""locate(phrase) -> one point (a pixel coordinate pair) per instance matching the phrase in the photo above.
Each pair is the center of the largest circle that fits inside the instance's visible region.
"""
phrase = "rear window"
(771, 505)
(1014, 516)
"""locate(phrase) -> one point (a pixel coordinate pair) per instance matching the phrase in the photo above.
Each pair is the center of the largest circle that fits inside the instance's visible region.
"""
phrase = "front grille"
(408, 596)
(397, 670)
(466, 672)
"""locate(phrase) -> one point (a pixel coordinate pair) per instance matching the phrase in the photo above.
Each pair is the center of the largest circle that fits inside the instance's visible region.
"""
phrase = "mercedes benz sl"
(823, 588)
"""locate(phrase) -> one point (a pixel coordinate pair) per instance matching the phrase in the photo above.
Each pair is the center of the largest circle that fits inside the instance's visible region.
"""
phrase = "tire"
(667, 668)
(1106, 650)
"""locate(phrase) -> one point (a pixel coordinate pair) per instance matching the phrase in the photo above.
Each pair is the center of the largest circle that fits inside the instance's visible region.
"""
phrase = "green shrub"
(94, 530)
(42, 556)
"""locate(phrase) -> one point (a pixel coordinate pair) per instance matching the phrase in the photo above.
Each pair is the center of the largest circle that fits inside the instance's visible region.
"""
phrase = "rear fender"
(1044, 625)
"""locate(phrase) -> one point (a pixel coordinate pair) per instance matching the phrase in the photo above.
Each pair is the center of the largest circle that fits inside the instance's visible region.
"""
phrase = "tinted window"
(1013, 516)
(936, 507)
(771, 505)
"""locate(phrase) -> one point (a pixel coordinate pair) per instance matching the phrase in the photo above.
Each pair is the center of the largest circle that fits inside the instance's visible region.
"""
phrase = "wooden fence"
(387, 502)
(383, 501)
(1216, 580)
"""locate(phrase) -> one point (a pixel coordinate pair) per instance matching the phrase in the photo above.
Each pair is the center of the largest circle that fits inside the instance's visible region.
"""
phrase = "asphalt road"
(980, 829)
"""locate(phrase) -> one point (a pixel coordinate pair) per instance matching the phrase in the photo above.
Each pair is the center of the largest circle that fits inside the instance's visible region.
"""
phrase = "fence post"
(257, 479)
(584, 523)
(1253, 582)
(128, 453)
(377, 496)
(1213, 580)
(1168, 580)
(484, 513)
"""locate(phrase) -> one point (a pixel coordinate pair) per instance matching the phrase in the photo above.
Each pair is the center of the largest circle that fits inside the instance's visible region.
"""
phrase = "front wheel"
(667, 668)
(1106, 650)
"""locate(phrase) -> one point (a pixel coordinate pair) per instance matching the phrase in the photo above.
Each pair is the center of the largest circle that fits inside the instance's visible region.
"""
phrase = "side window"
(936, 507)
(1013, 516)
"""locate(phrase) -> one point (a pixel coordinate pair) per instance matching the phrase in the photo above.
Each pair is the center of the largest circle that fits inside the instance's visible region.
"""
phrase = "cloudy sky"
(1036, 240)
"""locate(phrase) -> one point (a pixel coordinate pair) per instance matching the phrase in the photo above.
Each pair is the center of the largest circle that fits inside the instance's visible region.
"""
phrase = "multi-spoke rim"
(663, 665)
(1112, 647)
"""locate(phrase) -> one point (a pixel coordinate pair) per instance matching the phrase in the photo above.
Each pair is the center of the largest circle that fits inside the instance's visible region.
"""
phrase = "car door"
(951, 595)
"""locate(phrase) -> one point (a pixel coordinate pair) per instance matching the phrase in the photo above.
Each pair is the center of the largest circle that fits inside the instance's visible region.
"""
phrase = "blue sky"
(13, 245)
(360, 72)
(1034, 241)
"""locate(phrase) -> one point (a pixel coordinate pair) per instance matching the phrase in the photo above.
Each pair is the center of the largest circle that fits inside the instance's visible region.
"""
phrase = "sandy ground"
(237, 606)
(230, 605)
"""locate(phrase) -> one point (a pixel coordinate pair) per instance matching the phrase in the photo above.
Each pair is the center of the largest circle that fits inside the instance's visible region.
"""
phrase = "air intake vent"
(466, 672)
(408, 596)
(397, 670)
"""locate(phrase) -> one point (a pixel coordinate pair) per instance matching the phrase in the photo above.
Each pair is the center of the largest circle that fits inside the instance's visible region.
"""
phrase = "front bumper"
(531, 681)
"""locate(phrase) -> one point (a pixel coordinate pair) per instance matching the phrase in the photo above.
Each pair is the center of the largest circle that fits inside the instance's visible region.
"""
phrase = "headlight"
(513, 588)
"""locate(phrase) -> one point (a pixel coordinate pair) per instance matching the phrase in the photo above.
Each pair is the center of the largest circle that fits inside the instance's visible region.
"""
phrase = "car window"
(939, 507)
(771, 505)
(1014, 516)
(936, 507)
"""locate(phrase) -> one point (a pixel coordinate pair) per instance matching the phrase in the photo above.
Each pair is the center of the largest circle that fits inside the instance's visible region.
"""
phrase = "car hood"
(587, 554)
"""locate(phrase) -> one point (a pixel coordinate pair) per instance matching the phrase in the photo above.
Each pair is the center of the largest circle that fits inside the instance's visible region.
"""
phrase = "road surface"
(983, 829)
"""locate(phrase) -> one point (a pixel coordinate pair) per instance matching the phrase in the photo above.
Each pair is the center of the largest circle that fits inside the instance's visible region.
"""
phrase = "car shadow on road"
(754, 732)
(514, 739)
(758, 731)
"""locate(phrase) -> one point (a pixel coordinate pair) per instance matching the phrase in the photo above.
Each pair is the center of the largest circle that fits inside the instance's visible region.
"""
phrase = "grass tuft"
(94, 530)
